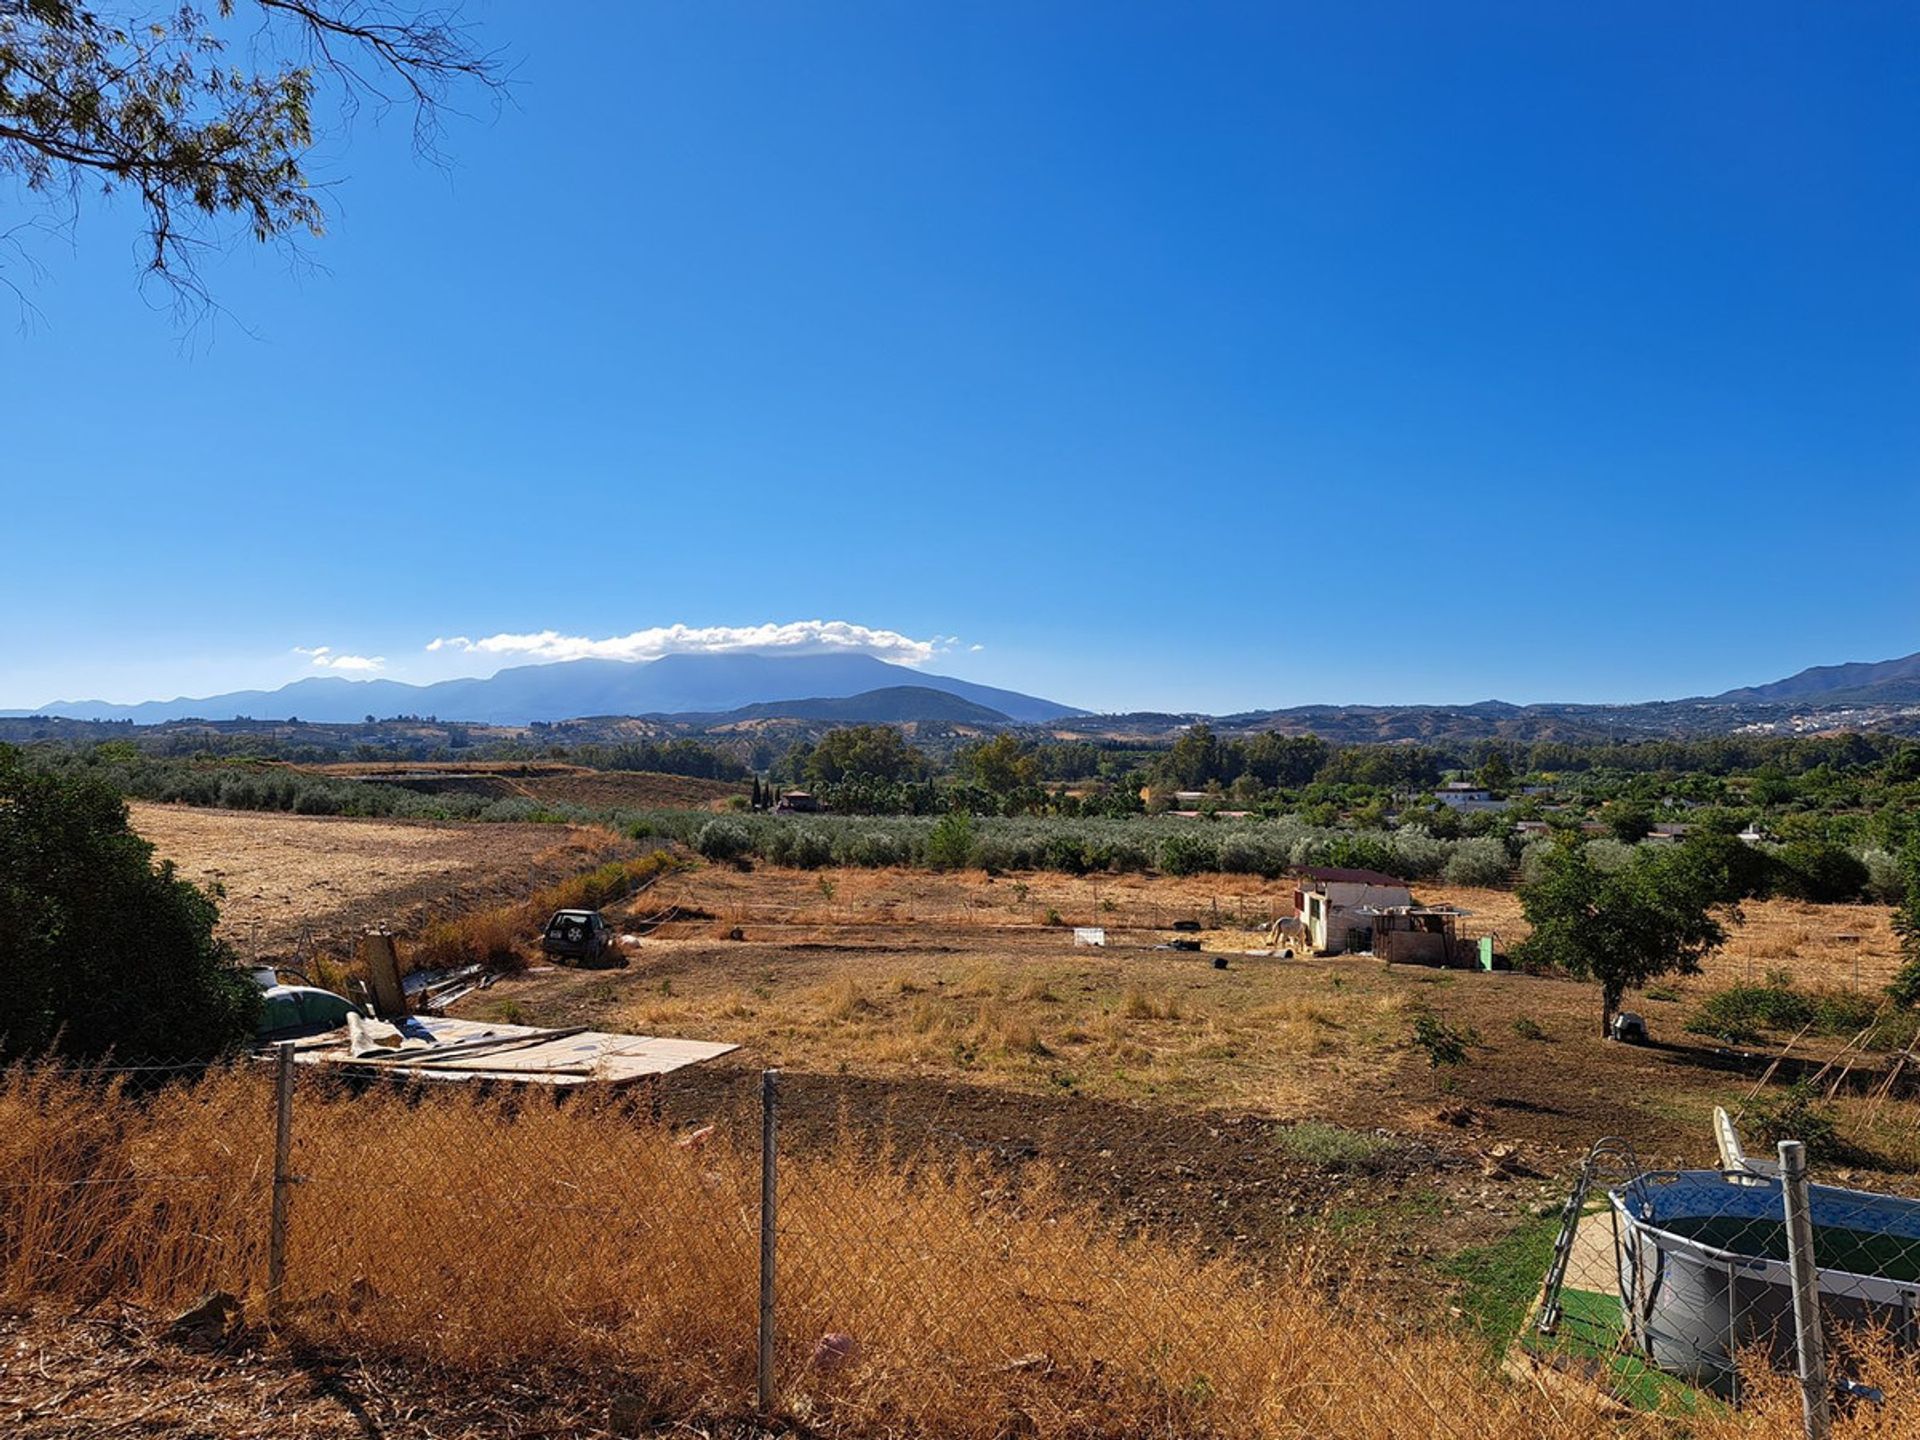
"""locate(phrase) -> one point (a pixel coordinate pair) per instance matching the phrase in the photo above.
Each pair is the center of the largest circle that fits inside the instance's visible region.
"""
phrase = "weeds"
(1334, 1146)
(497, 938)
(1743, 1013)
(466, 1230)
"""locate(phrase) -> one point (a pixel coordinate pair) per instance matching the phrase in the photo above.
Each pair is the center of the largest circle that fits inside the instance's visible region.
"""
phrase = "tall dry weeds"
(499, 937)
(962, 1301)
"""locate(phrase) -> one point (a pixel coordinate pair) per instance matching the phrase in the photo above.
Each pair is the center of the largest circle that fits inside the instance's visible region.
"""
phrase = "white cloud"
(325, 657)
(796, 637)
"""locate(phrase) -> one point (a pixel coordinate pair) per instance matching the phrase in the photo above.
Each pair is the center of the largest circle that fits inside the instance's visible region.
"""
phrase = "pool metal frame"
(1691, 1306)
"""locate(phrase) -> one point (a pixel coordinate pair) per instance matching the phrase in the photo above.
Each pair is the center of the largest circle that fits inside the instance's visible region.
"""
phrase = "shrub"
(950, 841)
(1065, 853)
(810, 849)
(1799, 1115)
(1821, 872)
(1479, 862)
(723, 840)
(100, 949)
(1444, 1045)
(1246, 852)
(1609, 856)
(1886, 879)
(1742, 1013)
(1187, 853)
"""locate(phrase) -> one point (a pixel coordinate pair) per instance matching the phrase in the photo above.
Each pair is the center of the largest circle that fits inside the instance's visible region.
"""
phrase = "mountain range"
(569, 689)
(1868, 681)
(716, 691)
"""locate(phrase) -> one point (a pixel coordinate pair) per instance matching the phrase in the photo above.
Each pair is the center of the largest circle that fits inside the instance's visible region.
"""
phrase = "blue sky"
(1190, 357)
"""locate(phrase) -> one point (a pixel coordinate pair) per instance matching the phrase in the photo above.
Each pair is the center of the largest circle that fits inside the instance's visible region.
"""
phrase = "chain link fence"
(793, 1247)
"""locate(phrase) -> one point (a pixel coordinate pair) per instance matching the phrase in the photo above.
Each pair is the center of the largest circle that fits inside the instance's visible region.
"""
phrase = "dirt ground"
(306, 882)
(1241, 1105)
(114, 1369)
(1237, 1104)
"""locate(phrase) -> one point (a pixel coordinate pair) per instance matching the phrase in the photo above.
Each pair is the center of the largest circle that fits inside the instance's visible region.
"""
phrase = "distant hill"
(1860, 680)
(895, 705)
(564, 690)
(691, 694)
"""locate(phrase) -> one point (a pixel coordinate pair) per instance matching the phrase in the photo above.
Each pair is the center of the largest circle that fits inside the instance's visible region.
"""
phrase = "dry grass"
(499, 937)
(287, 875)
(1165, 1026)
(478, 1232)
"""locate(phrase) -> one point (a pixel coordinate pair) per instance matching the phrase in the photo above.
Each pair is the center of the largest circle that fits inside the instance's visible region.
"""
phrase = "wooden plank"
(521, 1052)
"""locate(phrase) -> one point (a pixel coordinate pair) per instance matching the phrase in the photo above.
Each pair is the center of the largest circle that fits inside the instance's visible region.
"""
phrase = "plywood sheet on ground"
(583, 1057)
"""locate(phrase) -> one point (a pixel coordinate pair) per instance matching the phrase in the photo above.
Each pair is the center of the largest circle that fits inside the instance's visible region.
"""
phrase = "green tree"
(1283, 761)
(864, 752)
(1444, 1046)
(1195, 759)
(1495, 772)
(207, 116)
(1659, 914)
(950, 842)
(1001, 765)
(1905, 989)
(1629, 821)
(1820, 871)
(101, 951)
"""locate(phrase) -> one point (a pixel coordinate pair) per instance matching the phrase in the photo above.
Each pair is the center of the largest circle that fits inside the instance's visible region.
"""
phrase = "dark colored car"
(579, 936)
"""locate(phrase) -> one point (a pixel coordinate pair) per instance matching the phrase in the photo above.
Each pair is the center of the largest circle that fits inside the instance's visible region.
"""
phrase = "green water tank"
(307, 1008)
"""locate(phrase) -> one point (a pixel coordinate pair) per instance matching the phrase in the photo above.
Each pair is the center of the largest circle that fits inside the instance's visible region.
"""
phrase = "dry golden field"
(285, 875)
(1222, 1188)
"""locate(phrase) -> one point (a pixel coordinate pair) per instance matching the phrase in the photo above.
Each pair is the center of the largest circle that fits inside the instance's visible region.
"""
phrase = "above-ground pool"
(1703, 1266)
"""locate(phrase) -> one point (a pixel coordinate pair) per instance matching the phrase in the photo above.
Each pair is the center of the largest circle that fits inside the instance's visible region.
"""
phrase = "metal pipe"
(769, 1228)
(282, 1177)
(1809, 1344)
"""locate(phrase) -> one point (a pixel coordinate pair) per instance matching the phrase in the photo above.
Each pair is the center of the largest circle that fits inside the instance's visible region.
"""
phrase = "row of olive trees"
(1169, 845)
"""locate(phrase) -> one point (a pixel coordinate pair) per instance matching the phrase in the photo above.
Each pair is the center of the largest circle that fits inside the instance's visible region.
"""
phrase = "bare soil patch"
(935, 1004)
(116, 1369)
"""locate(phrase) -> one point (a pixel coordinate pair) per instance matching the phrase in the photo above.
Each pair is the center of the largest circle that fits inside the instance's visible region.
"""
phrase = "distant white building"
(1466, 797)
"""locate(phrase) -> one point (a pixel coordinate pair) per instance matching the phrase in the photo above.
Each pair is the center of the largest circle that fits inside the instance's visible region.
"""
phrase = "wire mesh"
(967, 1271)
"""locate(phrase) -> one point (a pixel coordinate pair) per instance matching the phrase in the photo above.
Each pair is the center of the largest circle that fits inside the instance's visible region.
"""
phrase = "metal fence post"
(1809, 1343)
(769, 1227)
(282, 1178)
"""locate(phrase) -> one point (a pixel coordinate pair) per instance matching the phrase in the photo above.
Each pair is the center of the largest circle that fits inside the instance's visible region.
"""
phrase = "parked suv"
(579, 936)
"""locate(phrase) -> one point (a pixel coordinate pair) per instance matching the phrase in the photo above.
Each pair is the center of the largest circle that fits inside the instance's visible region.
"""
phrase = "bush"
(1187, 853)
(723, 840)
(1065, 853)
(1800, 1115)
(1742, 1012)
(1609, 856)
(101, 951)
(810, 849)
(1886, 880)
(950, 841)
(1482, 862)
(1818, 871)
